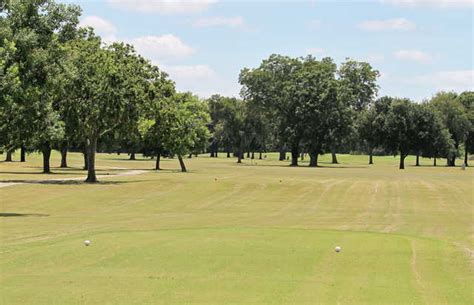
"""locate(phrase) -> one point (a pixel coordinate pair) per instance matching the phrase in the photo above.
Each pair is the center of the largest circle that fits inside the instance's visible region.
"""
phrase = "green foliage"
(33, 32)
(358, 83)
(400, 127)
(467, 100)
(371, 122)
(453, 114)
(176, 125)
(273, 86)
(9, 91)
(185, 119)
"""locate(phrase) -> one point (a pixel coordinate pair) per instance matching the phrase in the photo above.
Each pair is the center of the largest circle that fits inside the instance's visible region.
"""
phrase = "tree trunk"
(181, 163)
(371, 161)
(248, 155)
(260, 155)
(190, 155)
(240, 155)
(417, 160)
(452, 160)
(434, 161)
(466, 155)
(132, 156)
(282, 155)
(253, 155)
(86, 162)
(228, 154)
(294, 155)
(8, 157)
(313, 159)
(63, 156)
(157, 163)
(214, 148)
(22, 154)
(334, 157)
(402, 161)
(46, 156)
(91, 149)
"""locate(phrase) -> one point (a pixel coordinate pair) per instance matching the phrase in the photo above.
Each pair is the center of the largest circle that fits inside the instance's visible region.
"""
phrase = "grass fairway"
(261, 233)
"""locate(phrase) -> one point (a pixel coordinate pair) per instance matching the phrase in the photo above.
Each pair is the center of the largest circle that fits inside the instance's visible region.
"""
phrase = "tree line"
(62, 88)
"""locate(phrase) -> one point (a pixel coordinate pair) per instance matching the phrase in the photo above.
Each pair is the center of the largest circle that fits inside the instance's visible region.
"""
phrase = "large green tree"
(357, 90)
(108, 84)
(432, 136)
(37, 29)
(9, 91)
(322, 110)
(177, 127)
(455, 118)
(467, 100)
(273, 86)
(400, 129)
(370, 125)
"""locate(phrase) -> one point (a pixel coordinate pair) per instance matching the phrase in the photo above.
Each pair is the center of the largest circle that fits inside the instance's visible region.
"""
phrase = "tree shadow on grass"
(68, 171)
(126, 159)
(37, 173)
(68, 182)
(22, 215)
(306, 166)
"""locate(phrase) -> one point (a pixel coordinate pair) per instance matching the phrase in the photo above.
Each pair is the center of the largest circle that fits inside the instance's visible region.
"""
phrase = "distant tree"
(259, 129)
(186, 122)
(358, 83)
(321, 108)
(431, 136)
(216, 104)
(236, 126)
(370, 125)
(272, 86)
(400, 129)
(151, 125)
(455, 118)
(467, 100)
(357, 89)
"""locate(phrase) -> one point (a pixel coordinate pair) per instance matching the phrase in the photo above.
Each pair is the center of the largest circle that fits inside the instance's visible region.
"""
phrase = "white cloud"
(432, 3)
(400, 24)
(155, 48)
(457, 80)
(161, 48)
(164, 7)
(103, 27)
(99, 24)
(201, 80)
(189, 73)
(219, 22)
(413, 55)
(314, 51)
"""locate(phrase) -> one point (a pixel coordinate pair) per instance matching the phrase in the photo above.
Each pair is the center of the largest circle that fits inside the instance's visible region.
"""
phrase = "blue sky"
(419, 46)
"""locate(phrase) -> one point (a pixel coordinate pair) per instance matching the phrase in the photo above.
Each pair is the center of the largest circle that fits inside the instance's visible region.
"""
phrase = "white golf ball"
(87, 242)
(338, 249)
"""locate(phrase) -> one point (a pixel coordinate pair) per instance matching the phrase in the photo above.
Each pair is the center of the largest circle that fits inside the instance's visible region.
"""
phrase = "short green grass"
(256, 233)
